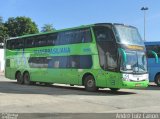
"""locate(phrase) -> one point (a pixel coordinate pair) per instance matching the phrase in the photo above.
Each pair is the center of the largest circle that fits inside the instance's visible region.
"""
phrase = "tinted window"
(51, 39)
(58, 62)
(63, 62)
(54, 62)
(107, 47)
(45, 40)
(85, 62)
(19, 43)
(104, 34)
(74, 61)
(13, 44)
(63, 38)
(40, 41)
(79, 62)
(155, 48)
(29, 42)
(86, 35)
(37, 62)
(8, 44)
(74, 36)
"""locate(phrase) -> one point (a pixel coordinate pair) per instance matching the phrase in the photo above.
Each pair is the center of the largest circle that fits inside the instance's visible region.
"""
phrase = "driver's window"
(107, 47)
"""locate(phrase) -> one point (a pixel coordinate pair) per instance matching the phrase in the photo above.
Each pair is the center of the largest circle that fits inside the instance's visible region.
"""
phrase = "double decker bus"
(102, 55)
(153, 54)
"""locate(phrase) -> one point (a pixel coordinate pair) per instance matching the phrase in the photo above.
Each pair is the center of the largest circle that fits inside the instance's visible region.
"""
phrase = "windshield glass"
(128, 35)
(135, 62)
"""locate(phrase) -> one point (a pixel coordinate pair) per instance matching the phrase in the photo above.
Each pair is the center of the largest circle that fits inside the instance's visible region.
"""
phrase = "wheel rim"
(90, 83)
(26, 78)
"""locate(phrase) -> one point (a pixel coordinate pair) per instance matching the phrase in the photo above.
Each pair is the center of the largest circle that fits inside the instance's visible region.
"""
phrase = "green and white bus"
(102, 55)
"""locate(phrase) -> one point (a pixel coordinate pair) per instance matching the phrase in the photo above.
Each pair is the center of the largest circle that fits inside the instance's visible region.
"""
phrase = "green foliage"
(47, 28)
(3, 31)
(1, 20)
(20, 26)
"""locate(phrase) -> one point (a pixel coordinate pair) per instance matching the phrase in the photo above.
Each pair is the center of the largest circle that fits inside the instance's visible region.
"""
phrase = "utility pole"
(144, 9)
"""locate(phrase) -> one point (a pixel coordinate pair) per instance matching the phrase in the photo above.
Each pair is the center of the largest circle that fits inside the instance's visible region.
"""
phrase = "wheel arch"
(85, 75)
(26, 71)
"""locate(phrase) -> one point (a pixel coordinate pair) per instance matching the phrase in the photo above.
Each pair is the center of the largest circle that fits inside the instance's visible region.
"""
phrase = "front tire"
(157, 80)
(19, 78)
(89, 83)
(114, 89)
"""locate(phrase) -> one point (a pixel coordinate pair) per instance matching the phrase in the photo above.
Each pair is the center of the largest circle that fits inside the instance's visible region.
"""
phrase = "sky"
(71, 13)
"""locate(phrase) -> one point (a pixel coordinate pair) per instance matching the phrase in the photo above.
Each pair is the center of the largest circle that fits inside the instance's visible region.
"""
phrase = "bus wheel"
(89, 83)
(157, 80)
(26, 78)
(19, 78)
(114, 89)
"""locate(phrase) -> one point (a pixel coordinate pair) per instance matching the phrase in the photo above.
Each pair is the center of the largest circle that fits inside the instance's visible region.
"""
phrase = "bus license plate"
(137, 85)
(137, 76)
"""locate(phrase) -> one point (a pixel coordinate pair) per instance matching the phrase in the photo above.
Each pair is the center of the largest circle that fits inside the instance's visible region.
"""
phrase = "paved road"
(65, 99)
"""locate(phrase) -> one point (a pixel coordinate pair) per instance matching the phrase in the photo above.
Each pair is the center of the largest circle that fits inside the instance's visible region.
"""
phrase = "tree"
(47, 28)
(1, 20)
(20, 26)
(3, 32)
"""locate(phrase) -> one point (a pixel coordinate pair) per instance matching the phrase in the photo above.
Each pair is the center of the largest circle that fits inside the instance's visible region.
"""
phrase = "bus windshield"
(135, 62)
(128, 35)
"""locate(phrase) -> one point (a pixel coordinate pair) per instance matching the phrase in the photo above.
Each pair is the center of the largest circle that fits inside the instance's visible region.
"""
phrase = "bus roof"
(82, 26)
(152, 43)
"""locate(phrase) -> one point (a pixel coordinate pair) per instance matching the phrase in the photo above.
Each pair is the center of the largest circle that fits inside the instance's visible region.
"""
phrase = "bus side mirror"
(122, 51)
(155, 55)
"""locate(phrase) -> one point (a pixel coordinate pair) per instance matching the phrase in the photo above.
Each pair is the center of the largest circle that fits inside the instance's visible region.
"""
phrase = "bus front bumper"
(131, 84)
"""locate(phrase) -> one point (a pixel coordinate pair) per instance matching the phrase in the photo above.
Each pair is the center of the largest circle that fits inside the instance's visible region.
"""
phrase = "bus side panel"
(35, 74)
(98, 72)
(54, 75)
(12, 68)
(114, 79)
(153, 68)
(71, 76)
(101, 79)
(7, 72)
